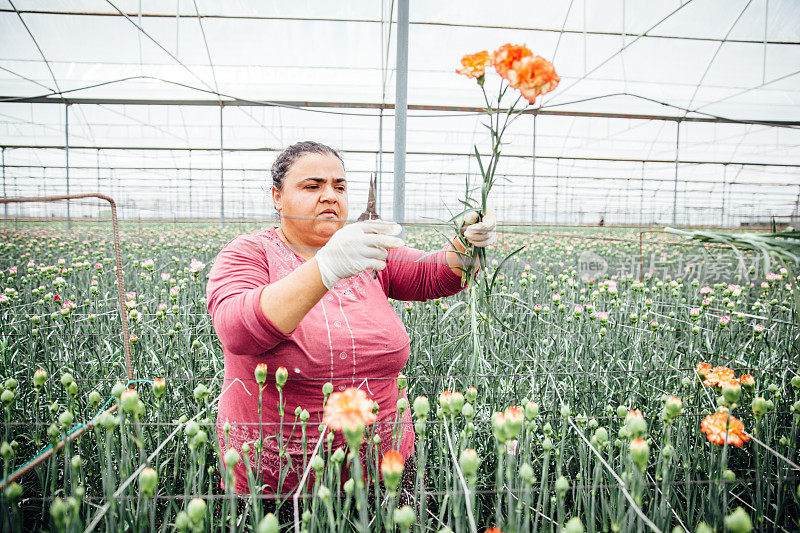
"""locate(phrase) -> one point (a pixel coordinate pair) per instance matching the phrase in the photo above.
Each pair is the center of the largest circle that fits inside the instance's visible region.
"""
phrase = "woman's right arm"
(288, 300)
(251, 311)
(252, 314)
(350, 250)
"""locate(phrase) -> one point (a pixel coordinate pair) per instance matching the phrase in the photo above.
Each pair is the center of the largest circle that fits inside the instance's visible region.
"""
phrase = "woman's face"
(313, 200)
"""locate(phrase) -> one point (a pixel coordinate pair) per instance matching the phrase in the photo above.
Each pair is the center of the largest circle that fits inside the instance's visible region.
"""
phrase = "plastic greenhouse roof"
(739, 60)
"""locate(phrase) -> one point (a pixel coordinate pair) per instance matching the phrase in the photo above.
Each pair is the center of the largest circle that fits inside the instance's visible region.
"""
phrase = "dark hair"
(294, 152)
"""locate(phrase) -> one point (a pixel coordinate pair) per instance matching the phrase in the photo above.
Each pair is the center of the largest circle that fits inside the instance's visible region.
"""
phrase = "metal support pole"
(400, 110)
(221, 170)
(99, 209)
(380, 159)
(641, 196)
(764, 61)
(675, 188)
(66, 162)
(191, 207)
(5, 195)
(724, 184)
(533, 174)
(555, 213)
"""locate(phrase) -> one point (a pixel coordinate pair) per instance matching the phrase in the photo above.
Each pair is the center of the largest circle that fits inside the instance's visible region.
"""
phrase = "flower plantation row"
(587, 407)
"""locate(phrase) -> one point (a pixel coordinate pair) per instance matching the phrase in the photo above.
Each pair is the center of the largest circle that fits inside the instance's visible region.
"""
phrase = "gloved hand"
(479, 234)
(356, 247)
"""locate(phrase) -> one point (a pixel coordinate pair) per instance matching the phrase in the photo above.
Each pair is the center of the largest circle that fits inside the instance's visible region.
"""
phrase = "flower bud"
(147, 482)
(129, 401)
(456, 402)
(231, 458)
(573, 525)
(513, 422)
(7, 397)
(760, 406)
(281, 375)
(640, 453)
(327, 388)
(526, 473)
(392, 469)
(547, 444)
(65, 419)
(66, 379)
(531, 410)
(200, 392)
(197, 510)
(673, 407)
(402, 382)
(738, 522)
(635, 424)
(732, 391)
(94, 398)
(748, 382)
(601, 434)
(39, 377)
(117, 389)
(6, 451)
(469, 462)
(562, 485)
(472, 395)
(159, 387)
(421, 407)
(261, 373)
(468, 411)
(338, 456)
(317, 464)
(404, 517)
(13, 491)
(268, 524)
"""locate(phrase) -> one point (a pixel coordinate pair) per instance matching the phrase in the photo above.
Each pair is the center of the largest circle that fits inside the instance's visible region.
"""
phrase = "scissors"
(371, 213)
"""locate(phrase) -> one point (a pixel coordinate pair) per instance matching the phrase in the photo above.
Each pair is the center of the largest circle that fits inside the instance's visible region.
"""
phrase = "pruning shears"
(371, 212)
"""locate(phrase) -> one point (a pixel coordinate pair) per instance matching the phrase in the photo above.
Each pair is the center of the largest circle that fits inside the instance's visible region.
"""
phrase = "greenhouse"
(389, 265)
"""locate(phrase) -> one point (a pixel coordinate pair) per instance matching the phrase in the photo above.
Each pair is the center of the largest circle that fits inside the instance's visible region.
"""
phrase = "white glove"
(480, 234)
(356, 247)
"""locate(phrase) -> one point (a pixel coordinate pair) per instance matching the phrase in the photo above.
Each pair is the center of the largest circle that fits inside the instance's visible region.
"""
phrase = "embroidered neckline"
(344, 287)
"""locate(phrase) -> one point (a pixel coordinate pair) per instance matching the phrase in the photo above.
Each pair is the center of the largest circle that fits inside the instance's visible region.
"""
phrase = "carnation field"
(555, 402)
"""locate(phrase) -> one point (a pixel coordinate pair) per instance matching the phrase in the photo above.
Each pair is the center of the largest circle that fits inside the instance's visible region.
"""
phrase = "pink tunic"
(352, 337)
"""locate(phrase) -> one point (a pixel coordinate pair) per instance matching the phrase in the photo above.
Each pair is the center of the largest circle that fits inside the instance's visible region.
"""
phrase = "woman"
(302, 296)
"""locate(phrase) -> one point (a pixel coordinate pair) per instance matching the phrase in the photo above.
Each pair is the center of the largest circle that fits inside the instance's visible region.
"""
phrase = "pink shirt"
(352, 337)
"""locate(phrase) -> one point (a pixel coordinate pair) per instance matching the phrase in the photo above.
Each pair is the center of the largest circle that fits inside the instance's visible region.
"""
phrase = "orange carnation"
(536, 76)
(703, 369)
(506, 59)
(348, 409)
(531, 75)
(719, 428)
(392, 462)
(719, 376)
(474, 65)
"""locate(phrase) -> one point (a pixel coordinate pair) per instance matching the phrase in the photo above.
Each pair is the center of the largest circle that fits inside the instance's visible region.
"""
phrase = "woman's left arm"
(411, 275)
(479, 234)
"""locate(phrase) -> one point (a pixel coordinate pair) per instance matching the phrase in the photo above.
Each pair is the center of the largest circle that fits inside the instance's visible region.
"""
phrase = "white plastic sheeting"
(738, 60)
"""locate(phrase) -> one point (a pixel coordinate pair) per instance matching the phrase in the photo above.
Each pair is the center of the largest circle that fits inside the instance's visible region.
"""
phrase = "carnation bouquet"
(529, 76)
